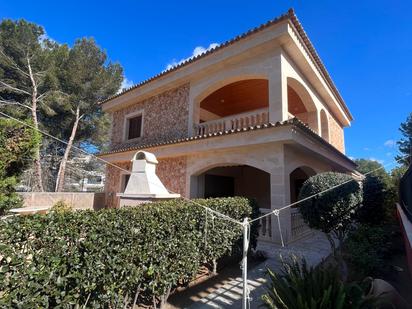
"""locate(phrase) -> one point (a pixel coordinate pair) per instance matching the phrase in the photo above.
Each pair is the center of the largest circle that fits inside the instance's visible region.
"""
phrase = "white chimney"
(144, 185)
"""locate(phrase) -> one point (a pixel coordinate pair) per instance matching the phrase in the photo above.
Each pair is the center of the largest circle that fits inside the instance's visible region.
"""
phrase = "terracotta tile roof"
(289, 15)
(291, 122)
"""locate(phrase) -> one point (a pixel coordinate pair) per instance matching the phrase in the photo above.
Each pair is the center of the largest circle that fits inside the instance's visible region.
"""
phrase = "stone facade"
(165, 117)
(336, 134)
(171, 171)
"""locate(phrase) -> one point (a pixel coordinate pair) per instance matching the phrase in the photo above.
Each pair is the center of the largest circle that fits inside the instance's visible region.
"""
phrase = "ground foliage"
(367, 247)
(106, 258)
(302, 287)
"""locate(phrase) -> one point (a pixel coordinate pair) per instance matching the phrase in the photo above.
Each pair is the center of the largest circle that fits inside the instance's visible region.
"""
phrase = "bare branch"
(9, 102)
(13, 63)
(49, 92)
(43, 95)
(41, 73)
(14, 89)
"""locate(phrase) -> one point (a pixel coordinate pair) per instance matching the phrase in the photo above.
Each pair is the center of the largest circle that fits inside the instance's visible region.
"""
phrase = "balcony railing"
(299, 227)
(265, 229)
(233, 122)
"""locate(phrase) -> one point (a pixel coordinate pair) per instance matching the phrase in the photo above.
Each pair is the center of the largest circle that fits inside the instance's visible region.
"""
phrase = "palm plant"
(301, 287)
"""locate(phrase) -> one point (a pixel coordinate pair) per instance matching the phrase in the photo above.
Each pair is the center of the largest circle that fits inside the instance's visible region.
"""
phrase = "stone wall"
(77, 200)
(336, 134)
(165, 117)
(171, 171)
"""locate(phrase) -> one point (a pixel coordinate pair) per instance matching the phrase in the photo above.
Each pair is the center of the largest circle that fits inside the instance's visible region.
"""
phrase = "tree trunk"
(37, 163)
(164, 298)
(214, 263)
(63, 163)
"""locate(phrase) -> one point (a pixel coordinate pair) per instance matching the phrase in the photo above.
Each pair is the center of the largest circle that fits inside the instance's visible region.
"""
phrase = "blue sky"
(365, 45)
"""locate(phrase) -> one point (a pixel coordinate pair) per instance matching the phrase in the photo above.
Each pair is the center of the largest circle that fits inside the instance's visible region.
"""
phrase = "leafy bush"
(366, 248)
(301, 287)
(17, 146)
(61, 207)
(373, 206)
(333, 211)
(111, 256)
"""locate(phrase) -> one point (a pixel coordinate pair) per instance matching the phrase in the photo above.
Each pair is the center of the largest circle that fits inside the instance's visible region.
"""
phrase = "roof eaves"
(196, 58)
(317, 60)
(291, 122)
(299, 28)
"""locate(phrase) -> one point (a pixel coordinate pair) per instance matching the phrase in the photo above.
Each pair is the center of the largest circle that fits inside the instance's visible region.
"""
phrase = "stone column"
(278, 101)
(314, 121)
(279, 198)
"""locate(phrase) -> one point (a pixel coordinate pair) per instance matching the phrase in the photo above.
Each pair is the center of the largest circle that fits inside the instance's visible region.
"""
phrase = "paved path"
(229, 294)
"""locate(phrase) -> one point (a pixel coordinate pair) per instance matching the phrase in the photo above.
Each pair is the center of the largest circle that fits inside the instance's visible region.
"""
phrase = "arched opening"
(235, 105)
(300, 104)
(236, 180)
(296, 180)
(324, 124)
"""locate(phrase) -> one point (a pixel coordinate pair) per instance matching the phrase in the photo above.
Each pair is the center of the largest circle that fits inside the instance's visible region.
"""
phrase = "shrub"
(109, 257)
(373, 205)
(219, 241)
(8, 197)
(17, 146)
(61, 207)
(301, 287)
(366, 248)
(333, 211)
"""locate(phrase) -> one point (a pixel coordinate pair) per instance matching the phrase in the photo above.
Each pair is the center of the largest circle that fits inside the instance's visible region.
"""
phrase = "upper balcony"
(245, 103)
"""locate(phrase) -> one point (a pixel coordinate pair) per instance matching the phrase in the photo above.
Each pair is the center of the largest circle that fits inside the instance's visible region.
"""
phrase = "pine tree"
(25, 75)
(405, 143)
(86, 78)
(58, 88)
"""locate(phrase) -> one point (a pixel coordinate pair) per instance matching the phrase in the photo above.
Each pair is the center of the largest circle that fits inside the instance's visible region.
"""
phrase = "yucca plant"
(301, 287)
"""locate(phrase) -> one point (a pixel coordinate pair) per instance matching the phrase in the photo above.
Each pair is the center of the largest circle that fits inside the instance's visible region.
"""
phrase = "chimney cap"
(144, 155)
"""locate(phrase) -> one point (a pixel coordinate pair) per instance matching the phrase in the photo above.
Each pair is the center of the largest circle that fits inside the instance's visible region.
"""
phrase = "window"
(125, 180)
(134, 127)
(95, 180)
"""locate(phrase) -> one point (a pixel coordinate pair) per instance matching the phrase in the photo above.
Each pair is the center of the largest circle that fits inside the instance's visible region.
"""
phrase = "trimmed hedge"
(108, 257)
(373, 206)
(367, 247)
(332, 211)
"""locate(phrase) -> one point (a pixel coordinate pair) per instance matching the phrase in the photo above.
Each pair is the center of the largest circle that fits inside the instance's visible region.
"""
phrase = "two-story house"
(256, 116)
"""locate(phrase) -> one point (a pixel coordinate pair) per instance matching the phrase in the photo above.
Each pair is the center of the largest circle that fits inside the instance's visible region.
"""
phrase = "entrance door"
(219, 186)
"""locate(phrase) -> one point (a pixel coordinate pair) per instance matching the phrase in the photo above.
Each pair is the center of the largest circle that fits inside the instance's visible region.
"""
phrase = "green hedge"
(105, 258)
(367, 247)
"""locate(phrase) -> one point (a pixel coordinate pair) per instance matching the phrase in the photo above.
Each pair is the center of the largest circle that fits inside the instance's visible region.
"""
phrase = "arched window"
(297, 178)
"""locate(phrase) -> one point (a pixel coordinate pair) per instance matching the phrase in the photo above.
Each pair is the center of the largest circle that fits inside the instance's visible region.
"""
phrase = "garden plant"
(114, 257)
(333, 212)
(302, 287)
